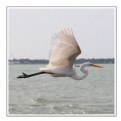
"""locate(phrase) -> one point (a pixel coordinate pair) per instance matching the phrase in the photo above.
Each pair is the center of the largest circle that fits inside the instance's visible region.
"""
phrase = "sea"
(44, 95)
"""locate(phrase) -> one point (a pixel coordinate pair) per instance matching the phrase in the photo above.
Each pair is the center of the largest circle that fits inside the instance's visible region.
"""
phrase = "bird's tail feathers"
(43, 69)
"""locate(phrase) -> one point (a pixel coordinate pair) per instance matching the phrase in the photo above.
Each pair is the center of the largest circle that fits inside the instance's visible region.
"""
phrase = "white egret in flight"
(62, 57)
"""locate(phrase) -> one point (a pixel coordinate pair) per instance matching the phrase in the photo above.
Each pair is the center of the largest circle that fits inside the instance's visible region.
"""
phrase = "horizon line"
(48, 59)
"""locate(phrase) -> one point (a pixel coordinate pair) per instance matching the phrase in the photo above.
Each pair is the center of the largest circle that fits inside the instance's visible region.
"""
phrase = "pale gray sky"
(30, 30)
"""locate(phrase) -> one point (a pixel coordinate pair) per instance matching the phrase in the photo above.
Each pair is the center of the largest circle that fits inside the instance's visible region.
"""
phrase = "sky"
(30, 30)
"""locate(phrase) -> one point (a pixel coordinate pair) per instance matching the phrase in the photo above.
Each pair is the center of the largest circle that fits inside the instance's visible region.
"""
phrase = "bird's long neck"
(83, 75)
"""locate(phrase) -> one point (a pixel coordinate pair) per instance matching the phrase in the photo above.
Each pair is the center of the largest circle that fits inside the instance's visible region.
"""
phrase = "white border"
(4, 3)
(60, 7)
(67, 7)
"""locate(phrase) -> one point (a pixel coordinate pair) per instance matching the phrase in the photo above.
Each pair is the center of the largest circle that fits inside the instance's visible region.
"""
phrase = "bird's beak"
(95, 65)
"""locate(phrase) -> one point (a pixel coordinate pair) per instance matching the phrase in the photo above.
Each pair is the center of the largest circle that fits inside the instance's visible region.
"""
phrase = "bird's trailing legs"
(30, 75)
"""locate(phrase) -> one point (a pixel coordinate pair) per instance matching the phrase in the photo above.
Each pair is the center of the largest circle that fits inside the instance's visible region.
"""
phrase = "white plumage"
(65, 51)
(62, 57)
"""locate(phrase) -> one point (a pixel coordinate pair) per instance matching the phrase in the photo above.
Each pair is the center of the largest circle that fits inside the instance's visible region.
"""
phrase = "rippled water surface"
(44, 94)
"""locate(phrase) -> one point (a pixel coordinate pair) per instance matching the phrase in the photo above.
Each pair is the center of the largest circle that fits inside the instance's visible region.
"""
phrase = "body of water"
(43, 94)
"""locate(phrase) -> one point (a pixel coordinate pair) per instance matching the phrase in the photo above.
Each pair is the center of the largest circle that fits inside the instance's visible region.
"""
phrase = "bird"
(62, 57)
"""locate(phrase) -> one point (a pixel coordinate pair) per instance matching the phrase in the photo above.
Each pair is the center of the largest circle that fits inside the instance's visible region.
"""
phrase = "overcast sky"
(30, 30)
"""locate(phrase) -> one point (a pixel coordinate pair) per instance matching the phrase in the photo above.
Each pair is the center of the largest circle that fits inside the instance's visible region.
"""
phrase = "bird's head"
(88, 64)
(84, 71)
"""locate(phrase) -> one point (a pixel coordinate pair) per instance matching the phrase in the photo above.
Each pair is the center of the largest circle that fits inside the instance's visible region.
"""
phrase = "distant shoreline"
(77, 61)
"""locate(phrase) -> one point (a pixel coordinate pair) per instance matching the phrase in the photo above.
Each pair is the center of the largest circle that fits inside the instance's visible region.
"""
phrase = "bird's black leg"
(29, 75)
(34, 74)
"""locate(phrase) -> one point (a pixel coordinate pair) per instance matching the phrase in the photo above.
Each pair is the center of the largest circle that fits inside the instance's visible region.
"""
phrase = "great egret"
(62, 57)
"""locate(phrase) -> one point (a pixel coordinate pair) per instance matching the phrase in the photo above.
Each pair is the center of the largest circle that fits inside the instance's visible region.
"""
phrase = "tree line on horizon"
(77, 61)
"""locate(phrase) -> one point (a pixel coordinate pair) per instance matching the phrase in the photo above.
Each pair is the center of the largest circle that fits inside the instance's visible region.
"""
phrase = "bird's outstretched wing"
(65, 50)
